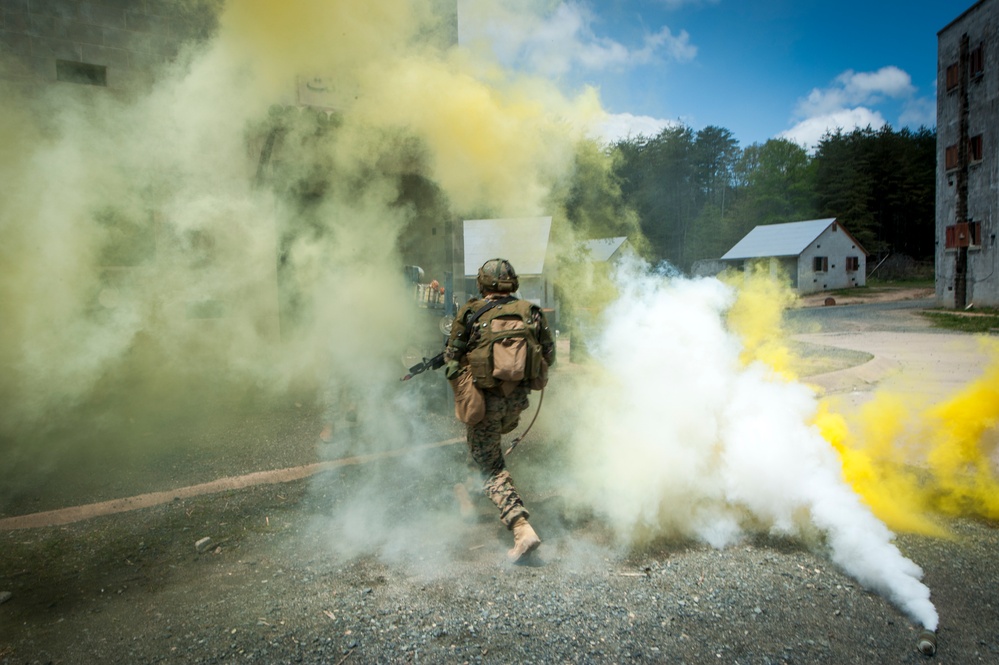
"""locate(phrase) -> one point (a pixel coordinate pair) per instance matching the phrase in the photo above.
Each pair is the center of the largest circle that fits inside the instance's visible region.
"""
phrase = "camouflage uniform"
(504, 404)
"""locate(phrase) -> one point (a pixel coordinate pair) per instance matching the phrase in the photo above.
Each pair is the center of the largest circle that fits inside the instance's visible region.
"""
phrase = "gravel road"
(369, 561)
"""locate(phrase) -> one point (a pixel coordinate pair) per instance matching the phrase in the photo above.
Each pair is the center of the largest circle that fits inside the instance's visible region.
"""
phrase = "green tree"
(776, 184)
(880, 185)
(715, 154)
(656, 178)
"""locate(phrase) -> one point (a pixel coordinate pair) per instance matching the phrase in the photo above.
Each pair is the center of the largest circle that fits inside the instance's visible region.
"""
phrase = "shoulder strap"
(482, 310)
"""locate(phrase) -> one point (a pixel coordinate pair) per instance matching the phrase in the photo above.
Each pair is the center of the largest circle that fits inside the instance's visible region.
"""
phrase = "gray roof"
(601, 249)
(523, 241)
(778, 239)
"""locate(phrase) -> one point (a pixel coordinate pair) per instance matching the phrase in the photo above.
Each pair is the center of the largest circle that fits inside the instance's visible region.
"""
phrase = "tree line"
(698, 193)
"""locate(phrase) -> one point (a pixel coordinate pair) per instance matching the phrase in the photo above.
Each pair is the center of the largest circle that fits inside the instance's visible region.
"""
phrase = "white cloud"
(857, 88)
(852, 101)
(890, 81)
(919, 112)
(555, 42)
(808, 132)
(621, 126)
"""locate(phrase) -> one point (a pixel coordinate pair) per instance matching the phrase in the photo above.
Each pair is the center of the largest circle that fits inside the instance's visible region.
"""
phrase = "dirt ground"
(299, 568)
(868, 295)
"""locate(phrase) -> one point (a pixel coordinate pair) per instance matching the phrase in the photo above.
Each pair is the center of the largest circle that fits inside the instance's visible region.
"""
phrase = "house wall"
(981, 24)
(834, 246)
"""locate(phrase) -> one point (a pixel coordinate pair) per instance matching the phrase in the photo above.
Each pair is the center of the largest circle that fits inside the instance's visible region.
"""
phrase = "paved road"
(909, 357)
(899, 316)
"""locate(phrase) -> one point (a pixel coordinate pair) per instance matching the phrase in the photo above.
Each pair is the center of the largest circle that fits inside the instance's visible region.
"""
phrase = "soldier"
(505, 397)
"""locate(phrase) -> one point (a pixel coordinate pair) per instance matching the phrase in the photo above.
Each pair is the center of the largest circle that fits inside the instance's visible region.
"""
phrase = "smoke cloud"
(686, 432)
(229, 240)
(210, 239)
(912, 463)
(135, 232)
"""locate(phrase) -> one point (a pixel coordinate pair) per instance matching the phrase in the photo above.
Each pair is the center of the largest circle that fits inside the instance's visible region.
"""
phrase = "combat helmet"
(497, 276)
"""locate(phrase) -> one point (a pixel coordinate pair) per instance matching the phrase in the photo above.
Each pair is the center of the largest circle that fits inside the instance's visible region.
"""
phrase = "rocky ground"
(366, 560)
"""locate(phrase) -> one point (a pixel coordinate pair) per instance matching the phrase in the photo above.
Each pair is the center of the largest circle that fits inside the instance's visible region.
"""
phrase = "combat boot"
(525, 540)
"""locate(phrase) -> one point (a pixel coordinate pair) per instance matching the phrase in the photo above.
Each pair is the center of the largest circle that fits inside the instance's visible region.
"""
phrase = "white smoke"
(678, 437)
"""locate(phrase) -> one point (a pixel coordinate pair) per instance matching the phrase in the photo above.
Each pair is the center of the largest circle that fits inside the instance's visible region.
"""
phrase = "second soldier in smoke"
(499, 349)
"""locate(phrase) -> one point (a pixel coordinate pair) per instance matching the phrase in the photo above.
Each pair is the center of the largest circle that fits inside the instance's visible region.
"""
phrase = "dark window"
(975, 153)
(852, 263)
(81, 72)
(950, 157)
(975, 233)
(952, 77)
(976, 62)
(820, 264)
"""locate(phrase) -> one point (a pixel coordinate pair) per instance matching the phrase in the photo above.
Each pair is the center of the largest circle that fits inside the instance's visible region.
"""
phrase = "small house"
(607, 250)
(818, 255)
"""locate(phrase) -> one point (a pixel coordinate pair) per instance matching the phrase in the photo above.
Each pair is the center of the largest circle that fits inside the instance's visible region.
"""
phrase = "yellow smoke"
(875, 465)
(909, 463)
(963, 435)
(757, 316)
(135, 239)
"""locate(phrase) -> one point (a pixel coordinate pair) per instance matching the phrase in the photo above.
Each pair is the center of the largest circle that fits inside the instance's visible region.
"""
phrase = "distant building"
(607, 250)
(817, 255)
(967, 185)
(114, 45)
(524, 242)
(122, 45)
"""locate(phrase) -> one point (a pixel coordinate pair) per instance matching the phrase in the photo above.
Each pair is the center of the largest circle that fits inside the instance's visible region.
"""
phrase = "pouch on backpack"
(469, 402)
(509, 353)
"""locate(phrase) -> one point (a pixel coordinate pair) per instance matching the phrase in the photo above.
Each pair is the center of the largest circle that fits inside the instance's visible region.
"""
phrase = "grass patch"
(925, 283)
(881, 287)
(977, 322)
(815, 359)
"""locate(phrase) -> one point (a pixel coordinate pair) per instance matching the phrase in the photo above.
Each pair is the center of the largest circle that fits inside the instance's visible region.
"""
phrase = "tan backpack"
(506, 348)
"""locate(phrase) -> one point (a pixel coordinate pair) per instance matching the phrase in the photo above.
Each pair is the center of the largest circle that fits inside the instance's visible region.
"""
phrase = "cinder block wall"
(117, 43)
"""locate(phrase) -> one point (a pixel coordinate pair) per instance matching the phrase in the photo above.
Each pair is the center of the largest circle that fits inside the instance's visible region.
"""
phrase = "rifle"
(438, 361)
(428, 363)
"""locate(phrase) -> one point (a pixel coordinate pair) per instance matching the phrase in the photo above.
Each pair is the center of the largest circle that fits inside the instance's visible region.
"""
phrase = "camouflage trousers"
(486, 451)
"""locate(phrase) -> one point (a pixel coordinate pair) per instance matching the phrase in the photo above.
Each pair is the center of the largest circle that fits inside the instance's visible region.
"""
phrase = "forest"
(698, 193)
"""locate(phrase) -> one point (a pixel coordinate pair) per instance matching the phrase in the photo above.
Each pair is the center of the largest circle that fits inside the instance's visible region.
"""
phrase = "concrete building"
(115, 44)
(967, 183)
(817, 255)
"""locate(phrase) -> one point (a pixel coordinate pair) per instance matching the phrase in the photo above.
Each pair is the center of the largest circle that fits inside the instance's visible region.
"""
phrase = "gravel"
(337, 569)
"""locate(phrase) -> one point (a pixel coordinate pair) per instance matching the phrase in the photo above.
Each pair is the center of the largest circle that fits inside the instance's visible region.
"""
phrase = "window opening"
(975, 153)
(950, 157)
(952, 77)
(81, 72)
(976, 61)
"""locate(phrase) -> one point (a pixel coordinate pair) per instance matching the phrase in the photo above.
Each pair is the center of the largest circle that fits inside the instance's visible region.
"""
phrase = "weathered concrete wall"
(130, 39)
(835, 246)
(981, 24)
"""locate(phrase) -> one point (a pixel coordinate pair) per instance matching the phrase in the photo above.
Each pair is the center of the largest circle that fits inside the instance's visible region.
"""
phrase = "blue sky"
(761, 69)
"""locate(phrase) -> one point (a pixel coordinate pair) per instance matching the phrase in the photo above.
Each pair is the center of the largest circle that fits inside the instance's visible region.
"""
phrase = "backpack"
(507, 348)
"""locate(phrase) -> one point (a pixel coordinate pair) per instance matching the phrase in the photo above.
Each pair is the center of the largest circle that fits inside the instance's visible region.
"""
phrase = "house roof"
(778, 239)
(602, 249)
(522, 241)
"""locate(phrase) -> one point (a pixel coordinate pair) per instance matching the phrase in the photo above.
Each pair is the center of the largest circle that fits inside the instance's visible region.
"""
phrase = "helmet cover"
(497, 276)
